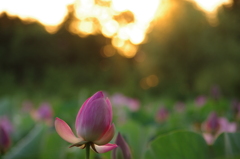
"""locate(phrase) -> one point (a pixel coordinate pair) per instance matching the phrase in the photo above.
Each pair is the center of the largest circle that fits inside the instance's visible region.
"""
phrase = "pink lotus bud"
(212, 124)
(133, 104)
(162, 114)
(93, 125)
(123, 150)
(4, 140)
(215, 126)
(119, 100)
(44, 112)
(6, 124)
(200, 101)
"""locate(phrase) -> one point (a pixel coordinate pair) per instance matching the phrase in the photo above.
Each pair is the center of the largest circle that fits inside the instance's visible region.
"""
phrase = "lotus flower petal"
(107, 137)
(212, 124)
(65, 131)
(94, 119)
(109, 108)
(97, 95)
(78, 116)
(208, 138)
(105, 148)
(227, 126)
(6, 124)
(122, 144)
(232, 127)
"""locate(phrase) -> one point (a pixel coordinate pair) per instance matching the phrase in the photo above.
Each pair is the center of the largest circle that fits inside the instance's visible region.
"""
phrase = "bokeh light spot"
(108, 51)
(152, 80)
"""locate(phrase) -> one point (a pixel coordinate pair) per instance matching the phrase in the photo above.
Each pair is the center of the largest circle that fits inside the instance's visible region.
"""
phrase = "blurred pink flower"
(215, 126)
(93, 125)
(5, 130)
(200, 101)
(212, 124)
(119, 100)
(180, 107)
(43, 113)
(133, 104)
(122, 150)
(209, 138)
(6, 124)
(226, 126)
(4, 140)
(162, 114)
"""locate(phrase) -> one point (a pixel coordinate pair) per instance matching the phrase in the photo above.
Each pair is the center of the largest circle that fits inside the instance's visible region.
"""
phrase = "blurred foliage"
(180, 135)
(192, 145)
(187, 54)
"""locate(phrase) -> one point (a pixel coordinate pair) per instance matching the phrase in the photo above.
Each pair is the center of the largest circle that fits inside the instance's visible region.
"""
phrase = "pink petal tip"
(65, 131)
(105, 148)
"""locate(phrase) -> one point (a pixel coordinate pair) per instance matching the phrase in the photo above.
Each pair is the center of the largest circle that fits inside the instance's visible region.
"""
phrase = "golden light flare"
(210, 7)
(126, 22)
(51, 13)
(110, 28)
(122, 20)
(116, 19)
(128, 50)
(86, 27)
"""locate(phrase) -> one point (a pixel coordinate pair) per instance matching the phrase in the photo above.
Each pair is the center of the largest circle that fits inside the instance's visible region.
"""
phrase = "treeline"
(33, 62)
(187, 54)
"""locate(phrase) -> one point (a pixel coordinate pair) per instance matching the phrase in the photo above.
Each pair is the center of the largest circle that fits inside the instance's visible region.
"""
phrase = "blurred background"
(166, 65)
(173, 48)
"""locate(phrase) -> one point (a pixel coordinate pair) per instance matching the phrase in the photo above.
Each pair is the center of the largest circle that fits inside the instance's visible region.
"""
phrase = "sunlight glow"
(126, 22)
(210, 7)
(48, 12)
(122, 20)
